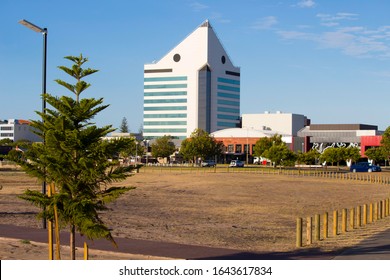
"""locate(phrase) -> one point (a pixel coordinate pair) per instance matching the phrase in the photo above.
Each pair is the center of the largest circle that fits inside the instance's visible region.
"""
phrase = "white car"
(236, 163)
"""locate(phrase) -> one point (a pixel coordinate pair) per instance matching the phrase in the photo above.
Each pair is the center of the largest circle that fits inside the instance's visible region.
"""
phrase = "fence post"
(317, 227)
(86, 253)
(371, 214)
(299, 232)
(344, 221)
(352, 218)
(364, 214)
(358, 216)
(325, 225)
(309, 231)
(375, 211)
(335, 222)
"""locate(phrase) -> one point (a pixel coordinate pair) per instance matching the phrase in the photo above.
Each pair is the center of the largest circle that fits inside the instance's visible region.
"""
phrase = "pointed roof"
(198, 48)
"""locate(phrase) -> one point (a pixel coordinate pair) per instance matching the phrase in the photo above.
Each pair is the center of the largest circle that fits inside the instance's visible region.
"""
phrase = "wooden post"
(317, 227)
(358, 216)
(86, 253)
(382, 209)
(364, 214)
(344, 221)
(309, 236)
(335, 222)
(371, 214)
(299, 232)
(50, 231)
(325, 221)
(352, 218)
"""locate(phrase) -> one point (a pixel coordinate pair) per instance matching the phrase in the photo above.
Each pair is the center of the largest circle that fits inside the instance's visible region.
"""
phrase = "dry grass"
(246, 211)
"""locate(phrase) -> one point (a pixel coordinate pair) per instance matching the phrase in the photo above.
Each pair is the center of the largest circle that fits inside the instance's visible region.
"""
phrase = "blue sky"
(328, 60)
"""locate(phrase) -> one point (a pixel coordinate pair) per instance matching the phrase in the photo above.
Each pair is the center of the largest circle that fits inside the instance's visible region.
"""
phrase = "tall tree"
(163, 147)
(280, 155)
(74, 158)
(200, 145)
(376, 154)
(385, 142)
(124, 126)
(264, 143)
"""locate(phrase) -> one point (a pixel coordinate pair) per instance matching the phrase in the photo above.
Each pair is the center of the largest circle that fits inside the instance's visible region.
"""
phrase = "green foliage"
(385, 142)
(335, 155)
(376, 154)
(263, 144)
(75, 158)
(352, 153)
(309, 157)
(200, 145)
(280, 155)
(163, 147)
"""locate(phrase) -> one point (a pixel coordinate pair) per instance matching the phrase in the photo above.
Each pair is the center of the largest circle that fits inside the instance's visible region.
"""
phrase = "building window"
(238, 148)
(156, 101)
(223, 59)
(176, 57)
(165, 79)
(6, 128)
(167, 108)
(230, 148)
(246, 149)
(7, 135)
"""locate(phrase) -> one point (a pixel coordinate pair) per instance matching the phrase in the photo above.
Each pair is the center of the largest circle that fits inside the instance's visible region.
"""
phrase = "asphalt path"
(376, 247)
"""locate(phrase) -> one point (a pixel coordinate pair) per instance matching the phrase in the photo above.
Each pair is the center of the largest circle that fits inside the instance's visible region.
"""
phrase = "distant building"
(239, 142)
(16, 130)
(284, 123)
(194, 86)
(322, 136)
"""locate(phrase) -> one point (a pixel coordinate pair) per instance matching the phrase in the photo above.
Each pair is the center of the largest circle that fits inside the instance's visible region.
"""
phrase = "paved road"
(376, 247)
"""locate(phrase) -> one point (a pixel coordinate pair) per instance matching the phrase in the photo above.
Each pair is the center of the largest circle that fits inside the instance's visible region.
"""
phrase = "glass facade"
(160, 95)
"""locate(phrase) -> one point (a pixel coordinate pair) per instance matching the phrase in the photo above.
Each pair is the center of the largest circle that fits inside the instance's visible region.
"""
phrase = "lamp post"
(146, 144)
(44, 33)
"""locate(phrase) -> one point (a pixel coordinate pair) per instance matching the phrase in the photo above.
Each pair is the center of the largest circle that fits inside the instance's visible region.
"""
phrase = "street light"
(44, 33)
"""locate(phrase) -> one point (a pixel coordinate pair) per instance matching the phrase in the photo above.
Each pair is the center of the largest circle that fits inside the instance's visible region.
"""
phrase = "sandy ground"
(240, 210)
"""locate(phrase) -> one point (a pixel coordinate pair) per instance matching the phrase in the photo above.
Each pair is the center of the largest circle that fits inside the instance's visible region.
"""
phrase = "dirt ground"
(241, 210)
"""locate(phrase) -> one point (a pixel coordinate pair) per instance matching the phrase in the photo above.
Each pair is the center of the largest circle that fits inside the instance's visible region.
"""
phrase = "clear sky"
(328, 60)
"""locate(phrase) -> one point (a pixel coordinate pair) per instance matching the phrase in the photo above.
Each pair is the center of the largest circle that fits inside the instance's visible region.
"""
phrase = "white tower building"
(194, 86)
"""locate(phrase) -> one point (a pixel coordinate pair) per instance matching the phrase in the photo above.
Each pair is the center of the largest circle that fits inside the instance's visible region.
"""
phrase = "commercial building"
(283, 123)
(322, 136)
(15, 130)
(194, 86)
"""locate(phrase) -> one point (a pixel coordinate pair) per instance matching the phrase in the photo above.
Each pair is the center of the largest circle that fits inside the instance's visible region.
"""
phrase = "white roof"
(244, 132)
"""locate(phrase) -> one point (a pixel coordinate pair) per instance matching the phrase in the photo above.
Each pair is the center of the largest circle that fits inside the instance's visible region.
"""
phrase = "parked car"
(364, 167)
(208, 163)
(236, 163)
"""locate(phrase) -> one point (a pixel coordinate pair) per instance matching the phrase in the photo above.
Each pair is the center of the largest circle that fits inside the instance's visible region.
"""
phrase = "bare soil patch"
(245, 211)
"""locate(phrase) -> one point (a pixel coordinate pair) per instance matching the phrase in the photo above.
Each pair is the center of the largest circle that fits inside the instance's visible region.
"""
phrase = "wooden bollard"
(317, 229)
(86, 253)
(344, 221)
(352, 218)
(325, 225)
(371, 214)
(375, 211)
(358, 216)
(335, 222)
(309, 237)
(299, 232)
(364, 214)
(382, 209)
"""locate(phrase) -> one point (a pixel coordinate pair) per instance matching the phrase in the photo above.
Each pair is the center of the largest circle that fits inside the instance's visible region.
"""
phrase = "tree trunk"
(72, 242)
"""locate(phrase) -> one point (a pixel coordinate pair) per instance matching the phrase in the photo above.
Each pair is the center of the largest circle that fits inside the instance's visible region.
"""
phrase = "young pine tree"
(74, 158)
